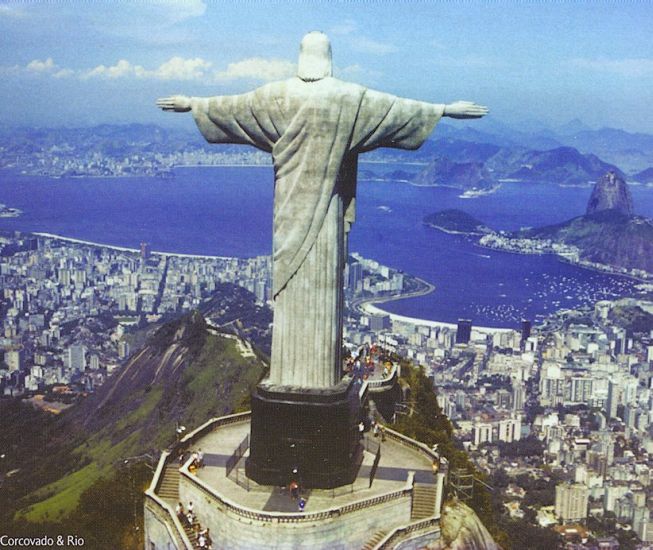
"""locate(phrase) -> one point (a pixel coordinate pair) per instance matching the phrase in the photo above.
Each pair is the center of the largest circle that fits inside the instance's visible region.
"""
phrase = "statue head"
(314, 57)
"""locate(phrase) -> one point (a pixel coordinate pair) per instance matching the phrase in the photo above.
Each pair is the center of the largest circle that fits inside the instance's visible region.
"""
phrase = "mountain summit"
(611, 193)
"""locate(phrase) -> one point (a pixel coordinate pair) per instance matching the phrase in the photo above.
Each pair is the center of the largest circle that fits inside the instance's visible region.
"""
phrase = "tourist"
(294, 490)
(179, 510)
(200, 458)
(193, 463)
(302, 504)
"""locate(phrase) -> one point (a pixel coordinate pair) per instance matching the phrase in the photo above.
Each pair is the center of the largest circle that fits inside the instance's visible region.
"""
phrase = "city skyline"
(80, 64)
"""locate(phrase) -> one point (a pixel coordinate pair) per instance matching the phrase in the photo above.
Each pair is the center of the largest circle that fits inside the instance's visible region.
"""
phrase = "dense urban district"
(559, 416)
(556, 416)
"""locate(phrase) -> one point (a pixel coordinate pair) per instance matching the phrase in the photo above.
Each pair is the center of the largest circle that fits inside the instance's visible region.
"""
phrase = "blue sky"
(81, 62)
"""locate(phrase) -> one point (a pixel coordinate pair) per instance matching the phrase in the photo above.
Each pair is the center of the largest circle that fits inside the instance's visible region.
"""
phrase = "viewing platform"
(396, 496)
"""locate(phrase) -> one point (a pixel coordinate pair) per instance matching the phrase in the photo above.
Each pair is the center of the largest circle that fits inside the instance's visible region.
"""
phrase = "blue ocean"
(227, 211)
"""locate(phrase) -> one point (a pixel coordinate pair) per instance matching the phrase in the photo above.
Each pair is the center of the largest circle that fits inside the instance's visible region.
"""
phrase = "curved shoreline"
(131, 250)
(368, 307)
(364, 306)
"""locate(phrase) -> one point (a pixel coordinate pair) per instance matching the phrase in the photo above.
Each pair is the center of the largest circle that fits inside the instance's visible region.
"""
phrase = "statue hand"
(465, 109)
(176, 103)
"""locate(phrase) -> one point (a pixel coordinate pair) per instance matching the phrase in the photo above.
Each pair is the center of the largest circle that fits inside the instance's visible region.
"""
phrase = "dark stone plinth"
(385, 399)
(312, 431)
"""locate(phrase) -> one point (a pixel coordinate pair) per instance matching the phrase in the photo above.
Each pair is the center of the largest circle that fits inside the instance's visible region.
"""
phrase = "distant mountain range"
(481, 166)
(465, 155)
(632, 152)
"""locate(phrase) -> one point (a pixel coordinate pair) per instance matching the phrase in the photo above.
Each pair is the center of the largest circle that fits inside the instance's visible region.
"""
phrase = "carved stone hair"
(314, 57)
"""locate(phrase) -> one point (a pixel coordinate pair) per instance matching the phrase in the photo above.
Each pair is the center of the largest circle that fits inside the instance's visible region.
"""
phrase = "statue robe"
(315, 131)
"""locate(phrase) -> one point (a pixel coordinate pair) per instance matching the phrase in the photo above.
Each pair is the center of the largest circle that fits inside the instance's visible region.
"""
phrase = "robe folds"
(315, 131)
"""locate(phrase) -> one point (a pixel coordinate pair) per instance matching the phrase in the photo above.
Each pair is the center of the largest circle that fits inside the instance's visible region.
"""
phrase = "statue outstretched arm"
(226, 119)
(175, 103)
(464, 109)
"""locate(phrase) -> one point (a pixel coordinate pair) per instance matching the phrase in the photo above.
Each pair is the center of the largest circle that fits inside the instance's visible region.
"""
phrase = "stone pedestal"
(306, 435)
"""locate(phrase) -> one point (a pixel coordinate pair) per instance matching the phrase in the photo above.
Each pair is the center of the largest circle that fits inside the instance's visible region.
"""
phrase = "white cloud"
(258, 68)
(629, 67)
(38, 66)
(178, 68)
(47, 67)
(63, 73)
(120, 70)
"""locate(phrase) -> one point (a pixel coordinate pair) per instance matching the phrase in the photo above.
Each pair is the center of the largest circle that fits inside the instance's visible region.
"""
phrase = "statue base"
(307, 435)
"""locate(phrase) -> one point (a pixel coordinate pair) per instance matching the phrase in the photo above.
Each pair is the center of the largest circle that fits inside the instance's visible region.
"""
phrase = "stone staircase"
(424, 496)
(169, 487)
(191, 533)
(371, 544)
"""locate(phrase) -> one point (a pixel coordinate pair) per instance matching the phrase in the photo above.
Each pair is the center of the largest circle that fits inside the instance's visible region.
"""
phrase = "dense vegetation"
(426, 423)
(68, 474)
(456, 220)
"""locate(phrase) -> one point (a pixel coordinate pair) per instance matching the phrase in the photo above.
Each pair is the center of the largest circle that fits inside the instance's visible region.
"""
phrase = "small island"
(7, 212)
(456, 222)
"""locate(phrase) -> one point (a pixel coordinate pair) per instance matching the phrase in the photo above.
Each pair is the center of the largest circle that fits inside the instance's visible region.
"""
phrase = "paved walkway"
(394, 466)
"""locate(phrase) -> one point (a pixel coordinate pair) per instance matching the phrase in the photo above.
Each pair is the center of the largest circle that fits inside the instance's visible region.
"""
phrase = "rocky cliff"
(611, 193)
(462, 530)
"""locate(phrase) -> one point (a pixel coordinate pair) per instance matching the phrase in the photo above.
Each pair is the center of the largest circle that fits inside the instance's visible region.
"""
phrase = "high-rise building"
(571, 502)
(355, 276)
(94, 362)
(77, 357)
(614, 391)
(379, 322)
(146, 251)
(525, 329)
(510, 429)
(13, 359)
(123, 349)
(463, 331)
(482, 432)
(518, 392)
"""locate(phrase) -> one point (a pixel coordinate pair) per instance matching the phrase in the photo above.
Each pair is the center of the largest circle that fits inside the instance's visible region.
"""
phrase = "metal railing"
(163, 510)
(400, 533)
(290, 517)
(388, 381)
(234, 459)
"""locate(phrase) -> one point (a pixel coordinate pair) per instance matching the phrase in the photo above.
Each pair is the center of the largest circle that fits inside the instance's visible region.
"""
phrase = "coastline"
(598, 268)
(454, 232)
(131, 250)
(368, 307)
(364, 306)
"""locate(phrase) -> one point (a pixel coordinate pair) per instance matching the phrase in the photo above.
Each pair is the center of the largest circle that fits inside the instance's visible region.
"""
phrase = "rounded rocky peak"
(611, 192)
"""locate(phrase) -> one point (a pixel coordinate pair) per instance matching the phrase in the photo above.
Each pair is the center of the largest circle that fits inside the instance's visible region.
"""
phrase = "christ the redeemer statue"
(315, 126)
